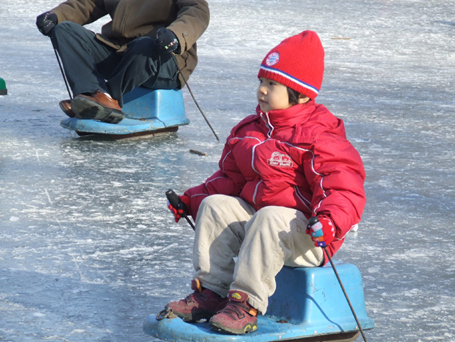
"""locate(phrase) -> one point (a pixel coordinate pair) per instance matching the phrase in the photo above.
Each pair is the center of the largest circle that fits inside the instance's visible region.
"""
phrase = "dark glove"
(46, 22)
(322, 230)
(182, 207)
(166, 40)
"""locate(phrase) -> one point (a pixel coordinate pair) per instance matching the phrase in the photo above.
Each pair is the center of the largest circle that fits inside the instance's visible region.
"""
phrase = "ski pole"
(194, 99)
(345, 294)
(61, 70)
(175, 200)
(313, 221)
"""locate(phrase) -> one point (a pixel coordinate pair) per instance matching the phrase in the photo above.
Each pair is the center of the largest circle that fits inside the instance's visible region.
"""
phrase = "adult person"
(141, 46)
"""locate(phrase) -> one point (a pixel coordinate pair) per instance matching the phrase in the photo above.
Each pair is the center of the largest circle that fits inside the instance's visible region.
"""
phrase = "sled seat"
(162, 104)
(307, 306)
(313, 297)
(146, 111)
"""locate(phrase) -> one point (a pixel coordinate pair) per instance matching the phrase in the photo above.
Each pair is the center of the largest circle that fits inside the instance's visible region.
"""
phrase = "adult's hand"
(166, 40)
(46, 22)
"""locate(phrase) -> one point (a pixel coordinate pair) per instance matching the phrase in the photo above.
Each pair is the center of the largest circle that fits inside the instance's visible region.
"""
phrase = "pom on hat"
(297, 62)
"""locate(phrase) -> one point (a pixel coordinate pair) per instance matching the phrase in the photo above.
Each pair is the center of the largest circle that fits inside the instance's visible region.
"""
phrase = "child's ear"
(303, 99)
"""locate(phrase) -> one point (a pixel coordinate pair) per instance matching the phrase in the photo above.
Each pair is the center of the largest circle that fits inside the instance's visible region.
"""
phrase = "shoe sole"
(88, 109)
(250, 327)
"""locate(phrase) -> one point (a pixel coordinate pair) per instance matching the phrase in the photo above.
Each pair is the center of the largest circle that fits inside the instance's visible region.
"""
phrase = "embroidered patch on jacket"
(272, 59)
(280, 160)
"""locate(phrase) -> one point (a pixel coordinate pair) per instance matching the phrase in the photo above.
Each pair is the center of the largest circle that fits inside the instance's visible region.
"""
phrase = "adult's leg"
(142, 64)
(87, 61)
(219, 234)
(275, 236)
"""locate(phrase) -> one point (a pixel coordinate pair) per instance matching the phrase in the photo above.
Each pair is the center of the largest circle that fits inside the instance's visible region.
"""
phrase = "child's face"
(272, 95)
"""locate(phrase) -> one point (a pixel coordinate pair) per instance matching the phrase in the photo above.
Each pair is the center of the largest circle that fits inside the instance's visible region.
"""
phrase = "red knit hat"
(297, 62)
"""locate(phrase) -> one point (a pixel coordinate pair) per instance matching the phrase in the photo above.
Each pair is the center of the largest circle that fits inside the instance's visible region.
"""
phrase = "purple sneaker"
(202, 303)
(238, 317)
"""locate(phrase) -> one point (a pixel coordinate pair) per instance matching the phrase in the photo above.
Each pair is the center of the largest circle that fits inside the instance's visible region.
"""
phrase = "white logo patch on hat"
(272, 59)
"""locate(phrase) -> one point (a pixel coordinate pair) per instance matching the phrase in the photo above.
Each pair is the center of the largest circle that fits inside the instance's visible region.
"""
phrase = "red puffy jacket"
(297, 158)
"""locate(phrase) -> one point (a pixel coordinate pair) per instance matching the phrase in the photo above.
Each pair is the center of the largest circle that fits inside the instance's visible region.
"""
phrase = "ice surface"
(88, 248)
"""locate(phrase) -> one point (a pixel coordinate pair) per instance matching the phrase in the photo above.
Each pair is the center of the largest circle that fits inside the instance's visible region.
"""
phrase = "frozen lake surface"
(88, 247)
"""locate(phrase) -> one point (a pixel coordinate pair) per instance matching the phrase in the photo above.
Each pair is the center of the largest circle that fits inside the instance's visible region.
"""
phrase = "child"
(289, 162)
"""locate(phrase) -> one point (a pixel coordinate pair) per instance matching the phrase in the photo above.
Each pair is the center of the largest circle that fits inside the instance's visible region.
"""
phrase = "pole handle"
(174, 200)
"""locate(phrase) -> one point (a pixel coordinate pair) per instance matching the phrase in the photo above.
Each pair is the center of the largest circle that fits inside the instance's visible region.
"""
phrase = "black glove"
(166, 40)
(46, 22)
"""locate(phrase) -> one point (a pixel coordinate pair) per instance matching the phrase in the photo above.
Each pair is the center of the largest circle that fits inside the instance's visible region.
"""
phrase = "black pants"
(91, 65)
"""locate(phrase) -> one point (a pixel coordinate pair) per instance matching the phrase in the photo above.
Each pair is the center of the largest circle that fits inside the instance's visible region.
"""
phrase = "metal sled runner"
(146, 112)
(308, 306)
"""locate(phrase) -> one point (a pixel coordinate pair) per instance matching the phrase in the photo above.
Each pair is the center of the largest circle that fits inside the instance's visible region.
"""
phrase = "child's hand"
(182, 207)
(322, 230)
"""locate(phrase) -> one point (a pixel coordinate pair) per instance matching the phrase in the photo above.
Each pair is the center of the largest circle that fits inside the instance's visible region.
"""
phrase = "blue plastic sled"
(308, 305)
(146, 112)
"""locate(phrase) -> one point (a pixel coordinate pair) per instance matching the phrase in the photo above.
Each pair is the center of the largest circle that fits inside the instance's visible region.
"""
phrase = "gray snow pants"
(90, 64)
(263, 241)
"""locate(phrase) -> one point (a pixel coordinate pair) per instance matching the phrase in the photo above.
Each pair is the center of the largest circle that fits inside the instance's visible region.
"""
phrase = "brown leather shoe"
(65, 106)
(97, 106)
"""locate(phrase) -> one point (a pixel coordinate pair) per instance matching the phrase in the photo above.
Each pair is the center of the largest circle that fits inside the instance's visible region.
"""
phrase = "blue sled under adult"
(308, 306)
(146, 112)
